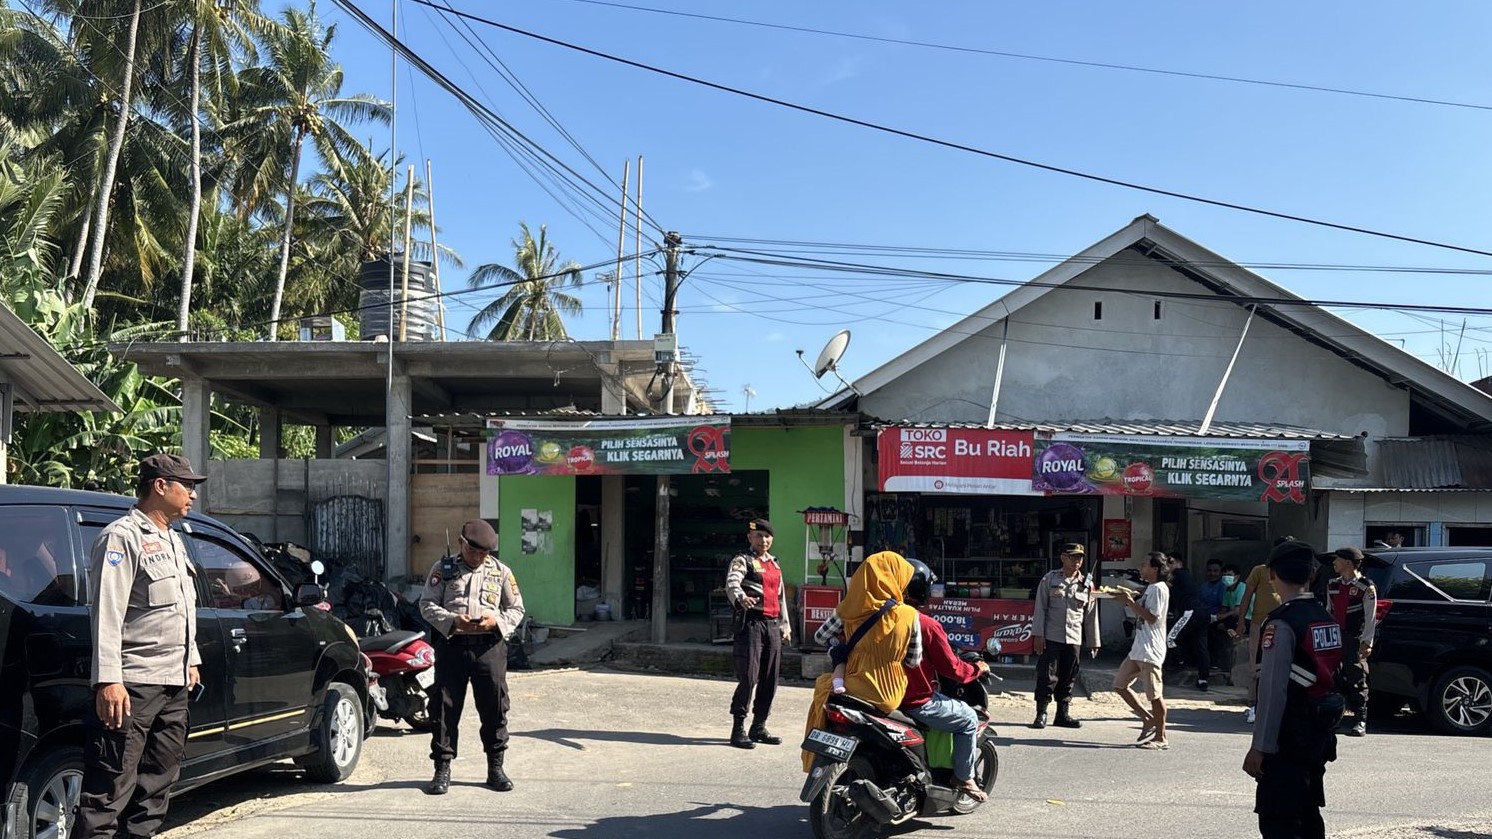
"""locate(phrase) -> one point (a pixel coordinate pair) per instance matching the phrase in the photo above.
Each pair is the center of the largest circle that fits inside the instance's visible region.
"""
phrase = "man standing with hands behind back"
(474, 604)
(1065, 621)
(143, 614)
(756, 590)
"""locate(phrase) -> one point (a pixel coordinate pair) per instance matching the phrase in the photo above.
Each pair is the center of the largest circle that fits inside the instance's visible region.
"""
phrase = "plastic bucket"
(603, 611)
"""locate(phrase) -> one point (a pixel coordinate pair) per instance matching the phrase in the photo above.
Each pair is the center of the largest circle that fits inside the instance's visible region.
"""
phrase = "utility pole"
(671, 242)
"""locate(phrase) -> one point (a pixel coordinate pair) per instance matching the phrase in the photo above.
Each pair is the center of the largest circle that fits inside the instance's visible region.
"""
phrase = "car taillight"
(1382, 611)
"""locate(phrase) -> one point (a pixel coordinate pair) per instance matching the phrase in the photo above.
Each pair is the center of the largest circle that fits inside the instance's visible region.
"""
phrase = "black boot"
(1064, 716)
(760, 734)
(1040, 721)
(738, 736)
(496, 777)
(441, 783)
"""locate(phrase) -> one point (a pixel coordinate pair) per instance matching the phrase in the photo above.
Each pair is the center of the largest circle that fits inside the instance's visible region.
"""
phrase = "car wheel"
(339, 738)
(46, 793)
(1461, 702)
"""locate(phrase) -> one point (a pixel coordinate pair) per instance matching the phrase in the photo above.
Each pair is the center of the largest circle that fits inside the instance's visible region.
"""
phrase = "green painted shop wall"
(807, 470)
(547, 578)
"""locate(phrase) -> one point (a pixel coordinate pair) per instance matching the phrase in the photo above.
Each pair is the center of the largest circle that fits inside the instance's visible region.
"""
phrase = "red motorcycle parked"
(405, 664)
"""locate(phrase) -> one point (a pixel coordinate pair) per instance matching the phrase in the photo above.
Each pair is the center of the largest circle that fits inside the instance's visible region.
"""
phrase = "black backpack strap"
(869, 622)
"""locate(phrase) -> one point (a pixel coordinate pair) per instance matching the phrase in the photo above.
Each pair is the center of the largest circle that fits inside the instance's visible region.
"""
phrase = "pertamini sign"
(1172, 467)
(661, 446)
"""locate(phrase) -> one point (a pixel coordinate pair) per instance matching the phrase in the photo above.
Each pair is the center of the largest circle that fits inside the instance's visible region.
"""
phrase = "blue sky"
(718, 165)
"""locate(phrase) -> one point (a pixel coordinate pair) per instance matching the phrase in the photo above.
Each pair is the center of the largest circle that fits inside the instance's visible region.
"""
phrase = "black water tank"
(373, 301)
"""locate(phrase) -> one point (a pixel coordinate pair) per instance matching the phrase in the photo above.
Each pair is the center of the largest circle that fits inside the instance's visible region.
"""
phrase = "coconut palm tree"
(218, 31)
(296, 96)
(531, 308)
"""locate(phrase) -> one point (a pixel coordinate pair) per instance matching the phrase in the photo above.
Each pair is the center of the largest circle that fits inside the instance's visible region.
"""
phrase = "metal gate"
(348, 530)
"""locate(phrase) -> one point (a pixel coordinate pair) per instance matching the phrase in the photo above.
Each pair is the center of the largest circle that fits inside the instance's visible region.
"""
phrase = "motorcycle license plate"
(828, 744)
(425, 678)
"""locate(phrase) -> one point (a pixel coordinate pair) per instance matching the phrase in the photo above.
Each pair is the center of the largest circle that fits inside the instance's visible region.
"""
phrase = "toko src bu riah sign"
(955, 460)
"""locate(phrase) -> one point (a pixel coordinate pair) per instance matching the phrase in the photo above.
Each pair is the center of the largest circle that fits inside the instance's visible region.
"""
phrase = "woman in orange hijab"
(876, 670)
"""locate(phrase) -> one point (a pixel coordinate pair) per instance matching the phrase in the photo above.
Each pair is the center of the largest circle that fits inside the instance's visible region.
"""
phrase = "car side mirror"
(309, 594)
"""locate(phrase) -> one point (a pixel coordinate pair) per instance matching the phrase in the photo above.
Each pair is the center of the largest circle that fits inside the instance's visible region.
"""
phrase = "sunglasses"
(184, 482)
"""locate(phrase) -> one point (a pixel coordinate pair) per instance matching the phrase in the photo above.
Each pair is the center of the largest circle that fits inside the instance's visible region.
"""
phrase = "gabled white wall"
(1062, 364)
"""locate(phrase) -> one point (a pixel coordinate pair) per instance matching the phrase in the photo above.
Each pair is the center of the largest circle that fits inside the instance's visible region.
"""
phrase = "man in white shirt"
(1148, 652)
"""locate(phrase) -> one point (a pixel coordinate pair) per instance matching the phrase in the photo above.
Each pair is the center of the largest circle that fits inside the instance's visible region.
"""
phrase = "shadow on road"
(571, 737)
(268, 782)
(718, 821)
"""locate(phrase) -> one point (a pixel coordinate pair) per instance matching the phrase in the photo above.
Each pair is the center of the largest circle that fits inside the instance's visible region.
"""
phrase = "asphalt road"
(603, 754)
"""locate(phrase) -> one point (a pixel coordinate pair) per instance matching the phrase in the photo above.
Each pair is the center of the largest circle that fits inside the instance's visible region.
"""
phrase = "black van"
(1434, 646)
(282, 679)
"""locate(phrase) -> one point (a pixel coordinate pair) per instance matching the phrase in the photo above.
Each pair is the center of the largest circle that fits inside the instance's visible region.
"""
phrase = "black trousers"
(1064, 660)
(482, 662)
(1289, 798)
(1352, 678)
(758, 656)
(1187, 643)
(128, 772)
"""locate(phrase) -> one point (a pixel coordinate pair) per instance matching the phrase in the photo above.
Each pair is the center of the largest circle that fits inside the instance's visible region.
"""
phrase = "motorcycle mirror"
(318, 567)
(309, 594)
(993, 646)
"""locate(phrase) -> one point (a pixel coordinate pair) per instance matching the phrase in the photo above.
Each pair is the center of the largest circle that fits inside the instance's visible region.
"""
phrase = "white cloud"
(847, 68)
(698, 181)
(776, 336)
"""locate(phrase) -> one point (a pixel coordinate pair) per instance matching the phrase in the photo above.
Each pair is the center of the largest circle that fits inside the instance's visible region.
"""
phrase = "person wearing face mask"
(1226, 629)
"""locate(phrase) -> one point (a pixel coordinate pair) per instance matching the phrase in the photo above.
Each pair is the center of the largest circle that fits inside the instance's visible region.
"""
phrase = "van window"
(1455, 579)
(36, 557)
(234, 579)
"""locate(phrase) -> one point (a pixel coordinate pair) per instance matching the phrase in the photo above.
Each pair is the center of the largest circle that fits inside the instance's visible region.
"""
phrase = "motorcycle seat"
(390, 642)
(858, 704)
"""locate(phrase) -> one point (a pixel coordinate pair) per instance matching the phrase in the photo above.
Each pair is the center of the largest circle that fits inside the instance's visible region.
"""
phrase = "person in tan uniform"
(143, 612)
(473, 602)
(1065, 622)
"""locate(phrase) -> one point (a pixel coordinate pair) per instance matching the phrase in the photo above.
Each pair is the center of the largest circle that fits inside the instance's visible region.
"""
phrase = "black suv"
(1434, 646)
(282, 679)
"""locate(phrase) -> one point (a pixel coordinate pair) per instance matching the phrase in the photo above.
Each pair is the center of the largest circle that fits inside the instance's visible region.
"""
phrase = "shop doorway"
(707, 520)
(588, 586)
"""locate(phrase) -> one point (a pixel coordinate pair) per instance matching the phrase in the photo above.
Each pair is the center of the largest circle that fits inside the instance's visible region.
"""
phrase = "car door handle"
(239, 637)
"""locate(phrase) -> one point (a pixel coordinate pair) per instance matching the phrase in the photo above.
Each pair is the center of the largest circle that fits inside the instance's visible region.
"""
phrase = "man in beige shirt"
(1064, 623)
(473, 602)
(143, 611)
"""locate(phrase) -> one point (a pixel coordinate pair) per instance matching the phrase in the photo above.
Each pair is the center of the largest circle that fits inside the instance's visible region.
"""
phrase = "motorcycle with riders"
(872, 769)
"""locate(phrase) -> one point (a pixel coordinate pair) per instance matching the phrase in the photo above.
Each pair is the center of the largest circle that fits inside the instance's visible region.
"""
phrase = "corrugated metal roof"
(1404, 489)
(1155, 428)
(1437, 462)
(43, 380)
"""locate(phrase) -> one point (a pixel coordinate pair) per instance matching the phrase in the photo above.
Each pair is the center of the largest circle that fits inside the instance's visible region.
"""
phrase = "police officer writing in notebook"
(473, 602)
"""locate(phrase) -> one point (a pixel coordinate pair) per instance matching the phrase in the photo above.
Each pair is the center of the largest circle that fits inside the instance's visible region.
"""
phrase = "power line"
(924, 138)
(1133, 68)
(791, 246)
(850, 267)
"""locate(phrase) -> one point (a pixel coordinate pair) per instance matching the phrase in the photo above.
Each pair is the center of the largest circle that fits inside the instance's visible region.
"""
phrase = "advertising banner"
(969, 623)
(1173, 467)
(660, 446)
(970, 461)
(1116, 537)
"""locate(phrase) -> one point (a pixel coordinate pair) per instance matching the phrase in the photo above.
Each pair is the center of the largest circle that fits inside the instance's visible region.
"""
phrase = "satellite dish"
(832, 352)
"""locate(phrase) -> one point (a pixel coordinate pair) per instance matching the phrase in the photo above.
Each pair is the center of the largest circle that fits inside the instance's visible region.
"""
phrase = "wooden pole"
(621, 240)
(637, 256)
(440, 301)
(408, 221)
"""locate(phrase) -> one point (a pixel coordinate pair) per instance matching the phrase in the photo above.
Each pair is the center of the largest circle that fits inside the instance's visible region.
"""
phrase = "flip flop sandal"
(1155, 745)
(1146, 735)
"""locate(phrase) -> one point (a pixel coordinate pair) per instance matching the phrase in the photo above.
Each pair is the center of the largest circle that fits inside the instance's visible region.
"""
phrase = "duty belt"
(473, 640)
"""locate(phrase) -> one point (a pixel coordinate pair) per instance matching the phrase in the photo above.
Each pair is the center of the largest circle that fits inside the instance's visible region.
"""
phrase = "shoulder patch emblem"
(513, 582)
(1267, 641)
(114, 557)
(434, 577)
